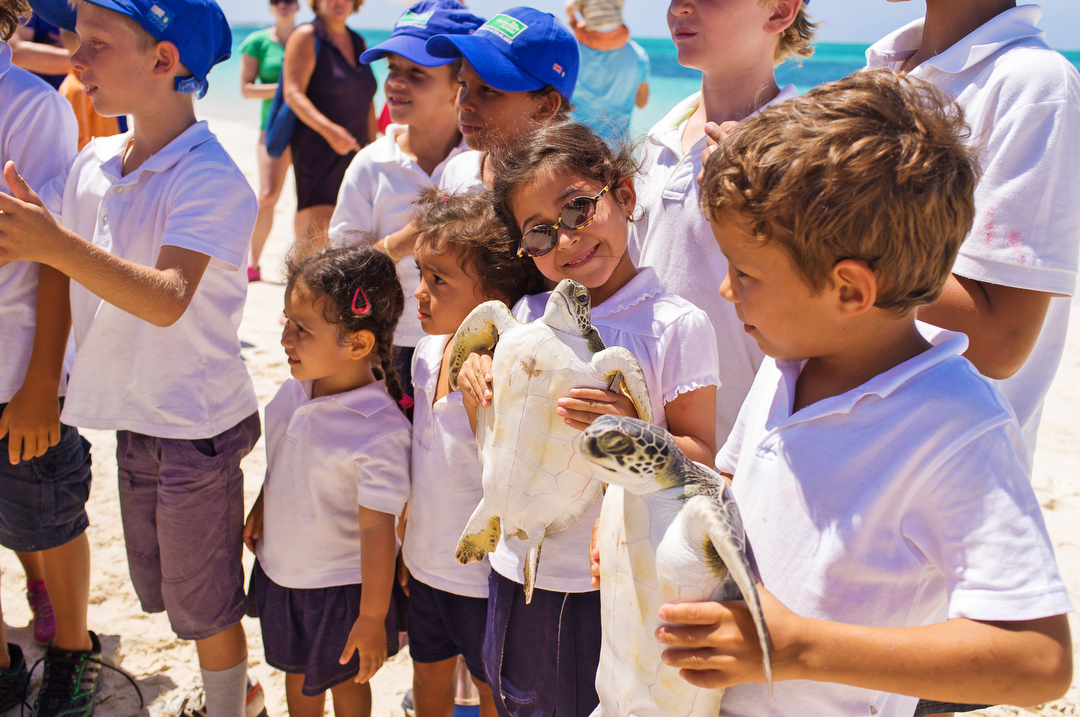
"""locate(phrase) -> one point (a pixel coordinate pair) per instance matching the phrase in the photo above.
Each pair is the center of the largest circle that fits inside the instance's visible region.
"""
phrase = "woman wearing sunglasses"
(569, 199)
(261, 55)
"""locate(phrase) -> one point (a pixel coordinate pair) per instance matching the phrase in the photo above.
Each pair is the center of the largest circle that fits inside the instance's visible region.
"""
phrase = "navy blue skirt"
(304, 631)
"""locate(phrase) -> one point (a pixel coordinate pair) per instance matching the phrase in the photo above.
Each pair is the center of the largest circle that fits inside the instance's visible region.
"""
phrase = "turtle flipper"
(618, 366)
(532, 561)
(478, 332)
(725, 553)
(480, 537)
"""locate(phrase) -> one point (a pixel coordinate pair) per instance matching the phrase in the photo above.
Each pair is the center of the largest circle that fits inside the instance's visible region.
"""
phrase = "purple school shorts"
(305, 630)
(182, 504)
(444, 625)
(541, 658)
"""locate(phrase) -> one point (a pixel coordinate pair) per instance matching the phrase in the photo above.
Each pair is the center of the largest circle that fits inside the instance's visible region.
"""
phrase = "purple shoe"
(44, 621)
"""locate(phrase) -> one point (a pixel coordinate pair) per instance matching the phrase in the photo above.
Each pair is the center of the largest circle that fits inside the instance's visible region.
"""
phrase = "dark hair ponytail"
(362, 293)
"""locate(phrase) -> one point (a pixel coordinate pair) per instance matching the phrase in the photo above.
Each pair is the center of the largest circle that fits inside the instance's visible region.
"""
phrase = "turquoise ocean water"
(669, 82)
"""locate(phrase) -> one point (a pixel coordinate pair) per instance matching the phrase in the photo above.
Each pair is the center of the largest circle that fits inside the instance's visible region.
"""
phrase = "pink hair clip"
(406, 403)
(444, 199)
(367, 304)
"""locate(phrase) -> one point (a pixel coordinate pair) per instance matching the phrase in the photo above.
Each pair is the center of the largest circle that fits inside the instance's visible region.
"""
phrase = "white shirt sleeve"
(1027, 227)
(980, 524)
(383, 469)
(354, 210)
(688, 350)
(213, 213)
(45, 142)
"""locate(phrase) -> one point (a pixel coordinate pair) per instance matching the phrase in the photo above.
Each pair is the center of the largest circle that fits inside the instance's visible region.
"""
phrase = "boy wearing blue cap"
(518, 71)
(384, 178)
(152, 227)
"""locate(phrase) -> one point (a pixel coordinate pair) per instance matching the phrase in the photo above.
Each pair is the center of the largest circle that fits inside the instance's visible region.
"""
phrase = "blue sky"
(859, 21)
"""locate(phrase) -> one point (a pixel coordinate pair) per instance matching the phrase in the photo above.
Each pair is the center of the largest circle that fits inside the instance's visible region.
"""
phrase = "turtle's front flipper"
(478, 332)
(532, 560)
(480, 537)
(725, 552)
(619, 366)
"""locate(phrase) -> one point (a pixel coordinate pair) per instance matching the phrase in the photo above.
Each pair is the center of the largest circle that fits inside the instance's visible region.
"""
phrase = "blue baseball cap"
(198, 28)
(518, 50)
(421, 22)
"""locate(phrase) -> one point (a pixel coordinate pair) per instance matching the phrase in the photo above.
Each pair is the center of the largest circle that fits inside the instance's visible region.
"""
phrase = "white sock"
(226, 690)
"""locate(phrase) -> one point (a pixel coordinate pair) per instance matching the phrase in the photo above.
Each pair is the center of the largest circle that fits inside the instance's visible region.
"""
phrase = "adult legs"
(311, 224)
(272, 172)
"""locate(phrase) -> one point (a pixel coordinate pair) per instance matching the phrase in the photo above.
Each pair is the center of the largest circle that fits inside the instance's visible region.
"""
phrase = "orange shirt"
(91, 124)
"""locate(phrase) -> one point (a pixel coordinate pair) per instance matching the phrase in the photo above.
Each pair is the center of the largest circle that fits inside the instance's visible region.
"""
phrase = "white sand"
(164, 666)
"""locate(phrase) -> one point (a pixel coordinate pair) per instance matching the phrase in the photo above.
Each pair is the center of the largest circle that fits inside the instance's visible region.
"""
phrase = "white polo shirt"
(1022, 101)
(324, 458)
(463, 172)
(900, 503)
(377, 196)
(182, 381)
(674, 238)
(672, 341)
(446, 481)
(39, 134)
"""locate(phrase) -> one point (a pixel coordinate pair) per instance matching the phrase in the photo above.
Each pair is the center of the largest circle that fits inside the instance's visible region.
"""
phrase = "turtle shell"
(533, 473)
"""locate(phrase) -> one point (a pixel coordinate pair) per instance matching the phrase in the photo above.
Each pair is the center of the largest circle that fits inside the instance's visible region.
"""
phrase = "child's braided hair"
(362, 293)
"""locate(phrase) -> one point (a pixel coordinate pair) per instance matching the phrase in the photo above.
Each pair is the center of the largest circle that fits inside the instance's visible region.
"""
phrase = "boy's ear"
(167, 58)
(363, 343)
(783, 14)
(855, 286)
(549, 106)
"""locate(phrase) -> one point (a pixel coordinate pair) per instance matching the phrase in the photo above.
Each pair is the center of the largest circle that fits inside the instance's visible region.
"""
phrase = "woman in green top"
(261, 56)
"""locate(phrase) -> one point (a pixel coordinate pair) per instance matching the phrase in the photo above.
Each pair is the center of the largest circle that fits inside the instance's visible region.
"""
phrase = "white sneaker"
(193, 702)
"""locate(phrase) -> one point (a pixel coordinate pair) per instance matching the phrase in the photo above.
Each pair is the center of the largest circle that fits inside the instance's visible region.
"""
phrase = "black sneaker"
(69, 682)
(14, 681)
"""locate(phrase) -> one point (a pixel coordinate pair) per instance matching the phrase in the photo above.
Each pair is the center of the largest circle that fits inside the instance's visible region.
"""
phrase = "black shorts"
(444, 625)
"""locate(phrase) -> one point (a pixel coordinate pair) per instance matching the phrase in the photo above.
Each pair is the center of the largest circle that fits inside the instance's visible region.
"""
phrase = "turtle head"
(568, 308)
(640, 457)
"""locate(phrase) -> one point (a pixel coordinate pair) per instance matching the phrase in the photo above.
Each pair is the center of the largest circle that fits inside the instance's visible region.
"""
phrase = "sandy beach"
(164, 666)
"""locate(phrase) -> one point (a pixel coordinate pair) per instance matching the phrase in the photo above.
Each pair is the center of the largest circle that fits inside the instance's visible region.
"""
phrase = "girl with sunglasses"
(568, 200)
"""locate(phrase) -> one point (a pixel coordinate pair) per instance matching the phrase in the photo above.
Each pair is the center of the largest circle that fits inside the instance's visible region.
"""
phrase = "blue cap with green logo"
(421, 22)
(198, 28)
(518, 50)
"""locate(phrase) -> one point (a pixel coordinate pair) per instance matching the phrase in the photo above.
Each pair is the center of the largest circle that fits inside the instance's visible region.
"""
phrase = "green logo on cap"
(413, 19)
(505, 27)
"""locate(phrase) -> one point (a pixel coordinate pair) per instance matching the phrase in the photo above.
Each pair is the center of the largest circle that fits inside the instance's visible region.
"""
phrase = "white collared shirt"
(325, 457)
(1022, 101)
(672, 341)
(446, 481)
(900, 503)
(673, 236)
(39, 134)
(376, 197)
(182, 381)
(464, 172)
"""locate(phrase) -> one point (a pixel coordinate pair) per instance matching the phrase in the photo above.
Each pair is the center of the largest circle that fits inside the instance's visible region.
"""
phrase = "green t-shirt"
(270, 55)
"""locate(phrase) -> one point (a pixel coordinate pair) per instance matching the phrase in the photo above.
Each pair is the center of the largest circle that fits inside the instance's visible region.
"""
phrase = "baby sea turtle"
(535, 481)
(669, 532)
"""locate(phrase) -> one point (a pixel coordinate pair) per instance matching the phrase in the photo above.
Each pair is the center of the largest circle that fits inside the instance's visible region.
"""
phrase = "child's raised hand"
(715, 644)
(25, 225)
(714, 135)
(368, 638)
(253, 526)
(474, 380)
(585, 405)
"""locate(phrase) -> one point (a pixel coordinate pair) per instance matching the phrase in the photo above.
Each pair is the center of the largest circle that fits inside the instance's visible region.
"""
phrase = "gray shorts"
(182, 504)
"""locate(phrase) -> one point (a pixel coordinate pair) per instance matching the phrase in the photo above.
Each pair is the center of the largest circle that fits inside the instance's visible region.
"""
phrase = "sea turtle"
(535, 481)
(669, 532)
